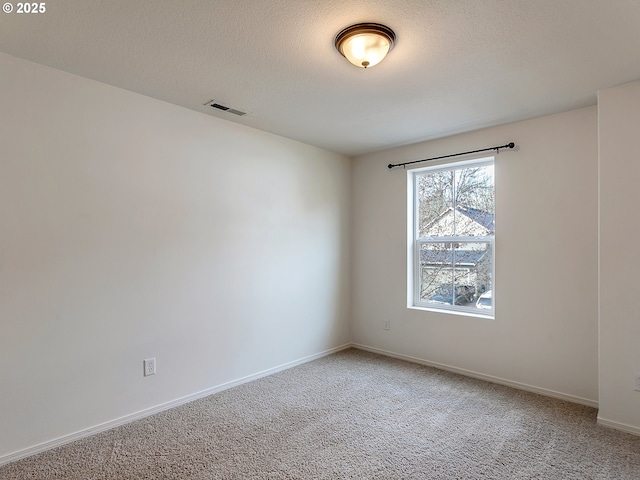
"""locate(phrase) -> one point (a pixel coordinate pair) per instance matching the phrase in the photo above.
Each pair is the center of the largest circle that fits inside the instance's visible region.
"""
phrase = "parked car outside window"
(485, 301)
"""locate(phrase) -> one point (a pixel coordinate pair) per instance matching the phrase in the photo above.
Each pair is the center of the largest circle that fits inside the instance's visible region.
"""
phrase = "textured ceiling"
(458, 65)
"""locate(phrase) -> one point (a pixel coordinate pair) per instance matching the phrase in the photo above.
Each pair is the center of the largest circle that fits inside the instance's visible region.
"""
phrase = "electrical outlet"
(387, 325)
(149, 366)
(637, 384)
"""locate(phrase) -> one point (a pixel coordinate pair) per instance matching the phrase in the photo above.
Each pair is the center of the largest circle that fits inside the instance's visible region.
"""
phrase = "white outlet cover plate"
(149, 366)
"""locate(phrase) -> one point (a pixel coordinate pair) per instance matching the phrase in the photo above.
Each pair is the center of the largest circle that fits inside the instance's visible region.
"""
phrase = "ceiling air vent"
(219, 107)
(224, 108)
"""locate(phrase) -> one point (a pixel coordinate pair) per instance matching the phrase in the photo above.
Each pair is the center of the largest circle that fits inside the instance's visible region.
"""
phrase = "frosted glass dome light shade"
(365, 44)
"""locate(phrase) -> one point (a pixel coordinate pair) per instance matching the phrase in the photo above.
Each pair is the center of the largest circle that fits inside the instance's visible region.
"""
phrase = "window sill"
(446, 311)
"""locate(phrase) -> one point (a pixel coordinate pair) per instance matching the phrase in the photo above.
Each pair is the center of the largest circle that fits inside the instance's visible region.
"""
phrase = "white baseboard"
(72, 437)
(618, 426)
(482, 376)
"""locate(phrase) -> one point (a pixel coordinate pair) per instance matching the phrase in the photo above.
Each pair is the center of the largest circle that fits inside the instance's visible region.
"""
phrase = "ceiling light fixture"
(365, 44)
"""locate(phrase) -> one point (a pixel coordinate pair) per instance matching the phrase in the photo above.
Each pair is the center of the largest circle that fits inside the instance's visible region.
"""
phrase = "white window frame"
(414, 242)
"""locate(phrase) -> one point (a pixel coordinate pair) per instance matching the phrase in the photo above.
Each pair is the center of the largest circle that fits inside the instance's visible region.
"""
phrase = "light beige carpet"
(353, 415)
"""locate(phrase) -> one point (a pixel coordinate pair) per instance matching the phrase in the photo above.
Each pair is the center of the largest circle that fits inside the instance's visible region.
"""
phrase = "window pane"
(474, 201)
(434, 199)
(456, 273)
(474, 271)
(436, 273)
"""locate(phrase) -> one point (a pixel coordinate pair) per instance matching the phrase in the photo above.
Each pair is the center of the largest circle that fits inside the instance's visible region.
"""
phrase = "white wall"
(133, 228)
(545, 330)
(619, 142)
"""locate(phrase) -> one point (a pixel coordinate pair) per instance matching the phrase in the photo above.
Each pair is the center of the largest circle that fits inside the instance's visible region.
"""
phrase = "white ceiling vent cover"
(224, 108)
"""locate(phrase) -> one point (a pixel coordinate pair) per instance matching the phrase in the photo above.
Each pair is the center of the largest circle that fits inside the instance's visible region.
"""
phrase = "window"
(451, 233)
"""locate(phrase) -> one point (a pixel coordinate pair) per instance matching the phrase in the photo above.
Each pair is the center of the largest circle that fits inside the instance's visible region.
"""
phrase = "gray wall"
(132, 228)
(545, 332)
(619, 126)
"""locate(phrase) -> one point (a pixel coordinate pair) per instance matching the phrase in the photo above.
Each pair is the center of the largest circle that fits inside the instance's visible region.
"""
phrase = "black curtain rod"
(497, 149)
